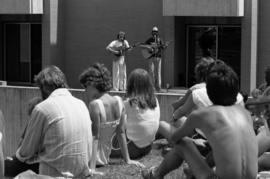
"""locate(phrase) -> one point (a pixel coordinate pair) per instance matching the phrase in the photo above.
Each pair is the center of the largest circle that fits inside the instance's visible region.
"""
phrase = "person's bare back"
(227, 127)
(230, 134)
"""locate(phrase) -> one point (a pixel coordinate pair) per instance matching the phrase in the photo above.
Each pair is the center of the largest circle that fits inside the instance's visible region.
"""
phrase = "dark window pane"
(35, 50)
(22, 52)
(12, 52)
(229, 44)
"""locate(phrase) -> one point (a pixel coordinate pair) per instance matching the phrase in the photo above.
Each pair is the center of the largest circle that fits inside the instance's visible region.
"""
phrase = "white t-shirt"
(116, 44)
(201, 99)
(142, 124)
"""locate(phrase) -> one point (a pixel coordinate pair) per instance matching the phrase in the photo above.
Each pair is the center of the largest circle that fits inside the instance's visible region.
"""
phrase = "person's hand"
(136, 163)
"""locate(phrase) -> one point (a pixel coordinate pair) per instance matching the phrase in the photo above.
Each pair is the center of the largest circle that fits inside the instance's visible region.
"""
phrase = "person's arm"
(121, 136)
(187, 128)
(147, 44)
(185, 109)
(31, 142)
(127, 44)
(181, 101)
(111, 49)
(95, 117)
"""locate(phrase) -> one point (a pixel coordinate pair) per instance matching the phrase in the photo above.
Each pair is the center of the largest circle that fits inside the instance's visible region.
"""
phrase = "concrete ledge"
(14, 102)
(3, 83)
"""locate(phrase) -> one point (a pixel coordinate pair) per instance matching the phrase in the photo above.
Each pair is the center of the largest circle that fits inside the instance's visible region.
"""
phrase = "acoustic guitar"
(149, 51)
(123, 49)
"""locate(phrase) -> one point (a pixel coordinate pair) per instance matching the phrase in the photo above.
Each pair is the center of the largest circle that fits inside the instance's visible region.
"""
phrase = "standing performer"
(154, 45)
(118, 47)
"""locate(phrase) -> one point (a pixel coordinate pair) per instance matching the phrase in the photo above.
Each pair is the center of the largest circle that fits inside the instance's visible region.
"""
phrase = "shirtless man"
(227, 127)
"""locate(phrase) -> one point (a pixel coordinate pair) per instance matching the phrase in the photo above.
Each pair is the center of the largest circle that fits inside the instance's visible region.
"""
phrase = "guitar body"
(153, 49)
(123, 49)
(146, 53)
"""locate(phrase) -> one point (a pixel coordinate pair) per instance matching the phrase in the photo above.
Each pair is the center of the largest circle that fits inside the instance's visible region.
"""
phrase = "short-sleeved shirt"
(142, 124)
(59, 135)
(116, 44)
(201, 99)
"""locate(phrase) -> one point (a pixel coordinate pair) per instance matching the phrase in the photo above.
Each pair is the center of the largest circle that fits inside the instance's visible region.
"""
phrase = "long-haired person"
(118, 48)
(142, 113)
(106, 111)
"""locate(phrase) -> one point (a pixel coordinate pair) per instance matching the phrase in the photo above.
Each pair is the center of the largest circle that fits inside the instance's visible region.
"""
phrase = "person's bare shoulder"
(203, 115)
(94, 107)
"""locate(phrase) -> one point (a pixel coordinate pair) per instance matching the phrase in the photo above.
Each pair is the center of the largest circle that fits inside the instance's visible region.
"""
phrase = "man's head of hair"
(121, 35)
(50, 79)
(222, 84)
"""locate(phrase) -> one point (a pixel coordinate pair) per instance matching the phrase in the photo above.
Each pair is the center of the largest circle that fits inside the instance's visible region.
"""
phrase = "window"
(22, 52)
(223, 42)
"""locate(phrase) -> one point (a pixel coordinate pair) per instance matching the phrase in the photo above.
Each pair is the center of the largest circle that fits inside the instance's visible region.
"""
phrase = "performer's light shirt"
(116, 44)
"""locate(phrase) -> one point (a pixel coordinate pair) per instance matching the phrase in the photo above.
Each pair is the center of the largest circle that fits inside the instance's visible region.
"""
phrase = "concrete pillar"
(249, 46)
(53, 34)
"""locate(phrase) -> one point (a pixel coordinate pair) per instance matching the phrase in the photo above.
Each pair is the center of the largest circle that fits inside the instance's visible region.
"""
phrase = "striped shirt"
(59, 136)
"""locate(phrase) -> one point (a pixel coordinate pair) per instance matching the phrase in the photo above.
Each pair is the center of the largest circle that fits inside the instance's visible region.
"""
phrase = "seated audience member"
(200, 74)
(1, 144)
(228, 128)
(59, 133)
(106, 113)
(142, 115)
(197, 99)
(263, 88)
(12, 165)
(260, 108)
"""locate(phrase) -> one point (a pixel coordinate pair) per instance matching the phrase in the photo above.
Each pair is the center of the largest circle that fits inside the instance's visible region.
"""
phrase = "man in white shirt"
(59, 134)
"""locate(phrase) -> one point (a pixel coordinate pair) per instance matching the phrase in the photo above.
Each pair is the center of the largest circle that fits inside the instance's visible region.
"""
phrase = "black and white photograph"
(133, 89)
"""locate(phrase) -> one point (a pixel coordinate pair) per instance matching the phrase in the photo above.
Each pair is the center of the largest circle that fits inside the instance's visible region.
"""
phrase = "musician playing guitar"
(154, 46)
(118, 47)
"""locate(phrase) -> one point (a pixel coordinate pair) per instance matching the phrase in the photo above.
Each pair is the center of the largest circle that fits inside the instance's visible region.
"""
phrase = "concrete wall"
(21, 6)
(14, 104)
(263, 39)
(90, 25)
(222, 8)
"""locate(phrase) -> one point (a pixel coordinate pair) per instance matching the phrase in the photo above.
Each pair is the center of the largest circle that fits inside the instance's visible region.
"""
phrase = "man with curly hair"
(107, 114)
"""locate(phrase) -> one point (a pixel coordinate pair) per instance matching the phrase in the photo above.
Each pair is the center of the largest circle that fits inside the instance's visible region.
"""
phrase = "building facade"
(73, 34)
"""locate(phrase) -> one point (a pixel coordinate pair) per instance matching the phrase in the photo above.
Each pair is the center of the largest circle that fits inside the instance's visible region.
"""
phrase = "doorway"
(220, 41)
